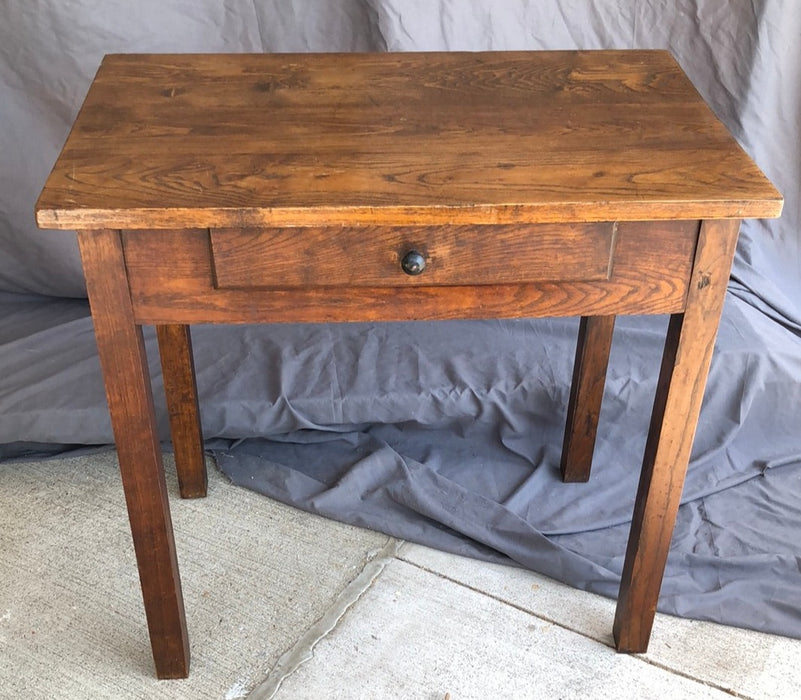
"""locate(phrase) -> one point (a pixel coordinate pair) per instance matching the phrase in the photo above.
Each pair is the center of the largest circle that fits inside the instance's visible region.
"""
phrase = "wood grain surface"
(130, 401)
(369, 256)
(172, 281)
(586, 395)
(178, 372)
(679, 392)
(166, 141)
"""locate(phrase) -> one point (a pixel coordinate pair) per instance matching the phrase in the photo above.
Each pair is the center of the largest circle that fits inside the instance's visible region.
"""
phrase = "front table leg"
(124, 364)
(680, 389)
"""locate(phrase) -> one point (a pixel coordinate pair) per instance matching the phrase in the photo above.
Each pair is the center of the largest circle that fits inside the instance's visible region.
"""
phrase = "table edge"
(578, 212)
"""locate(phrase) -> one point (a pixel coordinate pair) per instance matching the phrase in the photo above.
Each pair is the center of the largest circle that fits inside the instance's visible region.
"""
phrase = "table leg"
(124, 364)
(677, 405)
(586, 394)
(178, 372)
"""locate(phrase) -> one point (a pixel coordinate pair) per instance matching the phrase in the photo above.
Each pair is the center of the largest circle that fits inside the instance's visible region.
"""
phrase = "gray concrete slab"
(415, 634)
(743, 662)
(256, 574)
(288, 605)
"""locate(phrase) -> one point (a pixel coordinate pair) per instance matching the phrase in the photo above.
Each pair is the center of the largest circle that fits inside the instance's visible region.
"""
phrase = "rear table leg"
(586, 394)
(178, 371)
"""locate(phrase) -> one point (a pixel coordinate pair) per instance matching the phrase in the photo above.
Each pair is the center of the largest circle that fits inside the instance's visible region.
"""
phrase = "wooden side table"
(373, 187)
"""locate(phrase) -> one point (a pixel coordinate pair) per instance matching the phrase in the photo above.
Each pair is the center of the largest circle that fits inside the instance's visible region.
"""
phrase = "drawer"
(401, 256)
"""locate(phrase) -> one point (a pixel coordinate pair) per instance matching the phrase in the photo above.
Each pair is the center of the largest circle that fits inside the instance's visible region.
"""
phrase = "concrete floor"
(286, 605)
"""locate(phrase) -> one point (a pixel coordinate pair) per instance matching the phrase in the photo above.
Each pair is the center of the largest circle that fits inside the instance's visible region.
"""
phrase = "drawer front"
(403, 256)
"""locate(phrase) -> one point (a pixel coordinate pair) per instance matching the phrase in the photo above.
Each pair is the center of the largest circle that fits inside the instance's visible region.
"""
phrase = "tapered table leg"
(586, 393)
(178, 371)
(124, 364)
(677, 405)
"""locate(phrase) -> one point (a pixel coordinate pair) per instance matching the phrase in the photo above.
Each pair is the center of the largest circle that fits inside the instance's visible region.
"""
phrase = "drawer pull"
(413, 263)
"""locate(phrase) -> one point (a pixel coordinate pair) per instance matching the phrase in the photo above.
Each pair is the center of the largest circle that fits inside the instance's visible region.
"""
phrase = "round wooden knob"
(413, 263)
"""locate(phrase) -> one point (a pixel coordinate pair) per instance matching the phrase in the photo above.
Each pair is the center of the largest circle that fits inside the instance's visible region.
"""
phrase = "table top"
(167, 141)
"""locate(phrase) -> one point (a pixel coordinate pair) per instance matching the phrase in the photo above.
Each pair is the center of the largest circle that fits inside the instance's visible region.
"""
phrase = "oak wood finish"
(183, 141)
(130, 401)
(680, 389)
(586, 394)
(371, 256)
(178, 372)
(171, 279)
(287, 188)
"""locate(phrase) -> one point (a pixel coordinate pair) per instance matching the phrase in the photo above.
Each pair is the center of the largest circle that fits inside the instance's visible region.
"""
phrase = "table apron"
(172, 279)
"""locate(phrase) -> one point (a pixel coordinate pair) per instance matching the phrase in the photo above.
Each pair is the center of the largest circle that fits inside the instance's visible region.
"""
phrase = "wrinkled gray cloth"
(445, 433)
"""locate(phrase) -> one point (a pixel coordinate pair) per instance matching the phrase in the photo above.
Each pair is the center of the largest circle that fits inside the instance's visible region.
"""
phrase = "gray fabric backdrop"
(445, 433)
